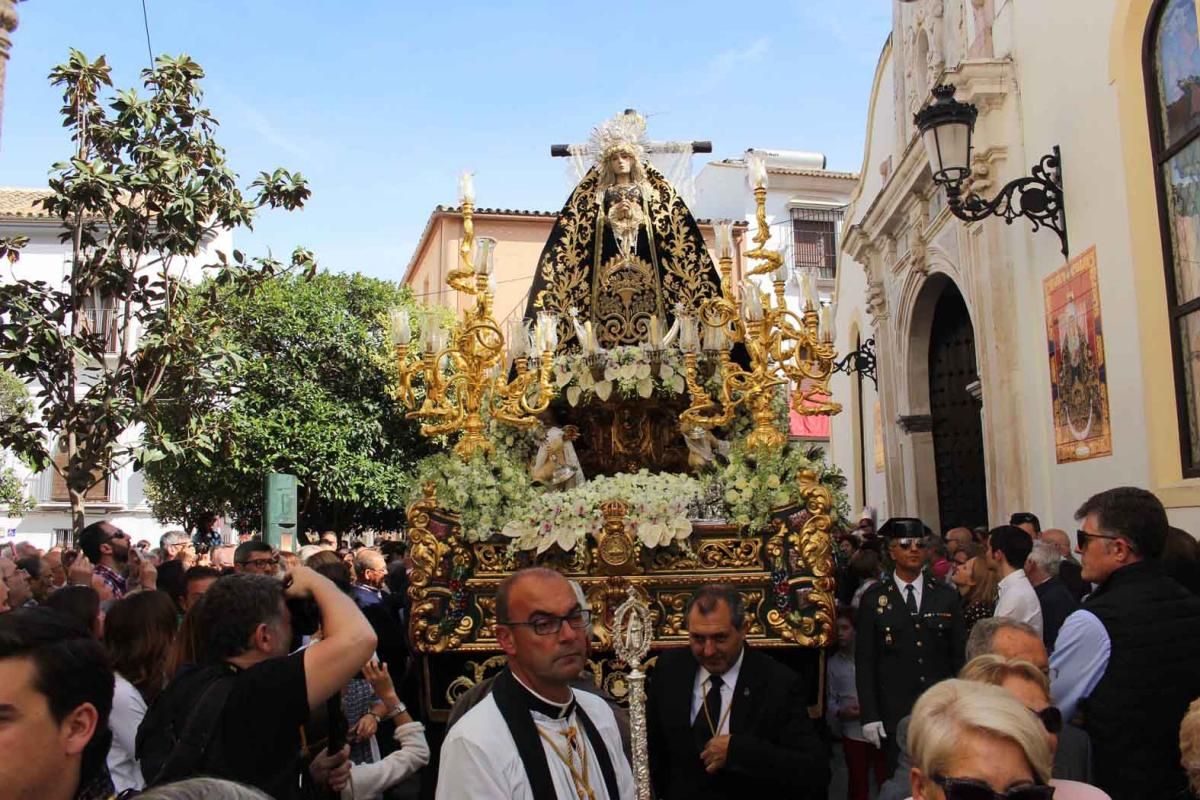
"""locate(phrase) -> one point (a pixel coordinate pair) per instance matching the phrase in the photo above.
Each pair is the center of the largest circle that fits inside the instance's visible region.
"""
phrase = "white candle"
(654, 333)
(781, 272)
(485, 249)
(757, 164)
(400, 329)
(826, 324)
(548, 330)
(752, 307)
(714, 337)
(518, 338)
(725, 238)
(466, 187)
(689, 337)
(810, 294)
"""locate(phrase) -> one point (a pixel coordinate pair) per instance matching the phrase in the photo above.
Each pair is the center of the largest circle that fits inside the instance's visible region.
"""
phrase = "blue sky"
(381, 104)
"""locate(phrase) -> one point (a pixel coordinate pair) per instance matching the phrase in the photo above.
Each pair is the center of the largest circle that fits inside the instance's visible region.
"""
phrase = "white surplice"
(479, 757)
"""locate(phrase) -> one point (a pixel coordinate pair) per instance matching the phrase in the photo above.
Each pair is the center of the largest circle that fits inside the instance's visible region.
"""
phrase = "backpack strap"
(187, 755)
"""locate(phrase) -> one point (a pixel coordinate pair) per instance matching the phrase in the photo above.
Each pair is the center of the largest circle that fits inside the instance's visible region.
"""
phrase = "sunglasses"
(910, 542)
(1082, 537)
(1051, 717)
(972, 789)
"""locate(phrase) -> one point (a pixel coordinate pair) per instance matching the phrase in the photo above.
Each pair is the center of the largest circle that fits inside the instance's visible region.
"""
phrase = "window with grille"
(814, 240)
(63, 538)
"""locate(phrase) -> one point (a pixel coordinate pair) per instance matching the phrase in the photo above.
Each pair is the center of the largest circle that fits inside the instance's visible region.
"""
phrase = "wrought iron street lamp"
(946, 126)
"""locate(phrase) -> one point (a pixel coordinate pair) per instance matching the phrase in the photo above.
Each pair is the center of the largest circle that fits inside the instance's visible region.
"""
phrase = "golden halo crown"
(622, 133)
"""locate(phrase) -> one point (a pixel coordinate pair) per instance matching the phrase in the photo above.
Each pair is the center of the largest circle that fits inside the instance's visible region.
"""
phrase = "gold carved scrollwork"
(810, 553)
(478, 672)
(732, 553)
(434, 558)
(493, 559)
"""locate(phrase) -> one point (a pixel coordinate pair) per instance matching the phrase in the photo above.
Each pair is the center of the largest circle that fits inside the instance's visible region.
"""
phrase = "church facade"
(1012, 378)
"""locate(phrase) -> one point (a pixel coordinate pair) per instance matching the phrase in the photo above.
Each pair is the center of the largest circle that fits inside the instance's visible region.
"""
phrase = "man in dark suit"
(1069, 571)
(726, 721)
(910, 635)
(1053, 595)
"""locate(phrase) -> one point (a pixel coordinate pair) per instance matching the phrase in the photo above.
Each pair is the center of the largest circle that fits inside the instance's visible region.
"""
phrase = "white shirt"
(728, 683)
(918, 589)
(479, 757)
(369, 781)
(128, 709)
(1018, 600)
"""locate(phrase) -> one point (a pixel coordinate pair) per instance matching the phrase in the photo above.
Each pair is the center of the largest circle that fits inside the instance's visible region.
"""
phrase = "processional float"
(654, 386)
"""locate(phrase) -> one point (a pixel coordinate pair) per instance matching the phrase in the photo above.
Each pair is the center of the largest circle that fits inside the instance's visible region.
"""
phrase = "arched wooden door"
(957, 427)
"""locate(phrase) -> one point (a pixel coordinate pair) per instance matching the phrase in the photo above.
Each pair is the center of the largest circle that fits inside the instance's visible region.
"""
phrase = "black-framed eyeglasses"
(1051, 717)
(549, 625)
(909, 542)
(972, 789)
(1082, 536)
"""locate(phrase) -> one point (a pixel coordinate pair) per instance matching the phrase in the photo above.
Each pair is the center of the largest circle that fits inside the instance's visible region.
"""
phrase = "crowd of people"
(974, 666)
(1103, 649)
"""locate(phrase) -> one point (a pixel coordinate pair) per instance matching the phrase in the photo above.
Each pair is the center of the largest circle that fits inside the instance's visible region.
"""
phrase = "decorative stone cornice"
(915, 423)
(986, 82)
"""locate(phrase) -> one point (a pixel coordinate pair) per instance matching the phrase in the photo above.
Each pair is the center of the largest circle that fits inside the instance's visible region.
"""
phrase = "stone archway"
(944, 425)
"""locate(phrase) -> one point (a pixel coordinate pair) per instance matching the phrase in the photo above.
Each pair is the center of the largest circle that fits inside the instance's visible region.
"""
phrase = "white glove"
(873, 733)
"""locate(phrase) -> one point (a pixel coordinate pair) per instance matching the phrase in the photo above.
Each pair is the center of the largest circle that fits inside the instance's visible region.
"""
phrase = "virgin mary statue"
(625, 247)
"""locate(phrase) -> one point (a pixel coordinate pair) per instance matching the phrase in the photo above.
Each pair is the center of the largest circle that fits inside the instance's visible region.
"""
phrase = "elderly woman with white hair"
(972, 741)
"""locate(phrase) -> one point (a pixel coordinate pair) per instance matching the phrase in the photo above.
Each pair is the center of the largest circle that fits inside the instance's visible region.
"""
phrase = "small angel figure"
(703, 447)
(556, 464)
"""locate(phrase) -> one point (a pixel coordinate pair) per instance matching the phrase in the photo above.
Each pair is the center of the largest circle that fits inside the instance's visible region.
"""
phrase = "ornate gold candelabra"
(464, 370)
(782, 346)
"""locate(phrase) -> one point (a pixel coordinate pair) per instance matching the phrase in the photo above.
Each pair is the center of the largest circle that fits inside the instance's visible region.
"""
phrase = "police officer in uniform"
(910, 636)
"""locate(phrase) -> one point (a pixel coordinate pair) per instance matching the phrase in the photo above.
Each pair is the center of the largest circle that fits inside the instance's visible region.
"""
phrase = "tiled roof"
(774, 170)
(508, 212)
(22, 203)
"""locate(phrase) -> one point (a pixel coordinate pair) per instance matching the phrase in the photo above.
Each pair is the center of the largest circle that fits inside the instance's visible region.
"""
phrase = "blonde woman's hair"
(954, 709)
(985, 589)
(638, 174)
(994, 669)
(1189, 745)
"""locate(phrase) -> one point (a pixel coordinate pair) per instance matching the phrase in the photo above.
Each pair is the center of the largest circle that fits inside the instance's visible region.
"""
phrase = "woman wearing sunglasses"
(972, 741)
(1029, 686)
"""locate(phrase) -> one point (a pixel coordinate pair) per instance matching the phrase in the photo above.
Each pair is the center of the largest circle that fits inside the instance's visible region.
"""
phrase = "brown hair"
(138, 632)
(984, 590)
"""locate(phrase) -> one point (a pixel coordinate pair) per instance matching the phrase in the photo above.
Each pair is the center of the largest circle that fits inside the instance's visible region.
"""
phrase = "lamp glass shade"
(948, 147)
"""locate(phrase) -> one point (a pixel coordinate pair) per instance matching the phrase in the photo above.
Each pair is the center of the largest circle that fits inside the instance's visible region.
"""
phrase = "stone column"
(8, 24)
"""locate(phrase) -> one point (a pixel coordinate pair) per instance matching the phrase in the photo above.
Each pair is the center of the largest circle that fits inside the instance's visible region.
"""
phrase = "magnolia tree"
(145, 190)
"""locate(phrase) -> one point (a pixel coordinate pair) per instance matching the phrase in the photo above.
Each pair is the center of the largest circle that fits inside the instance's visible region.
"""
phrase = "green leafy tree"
(14, 415)
(310, 393)
(147, 187)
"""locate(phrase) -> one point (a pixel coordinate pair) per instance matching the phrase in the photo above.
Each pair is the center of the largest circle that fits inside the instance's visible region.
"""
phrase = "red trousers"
(862, 758)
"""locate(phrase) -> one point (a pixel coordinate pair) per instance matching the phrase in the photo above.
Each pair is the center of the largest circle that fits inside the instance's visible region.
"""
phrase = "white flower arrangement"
(657, 515)
(630, 370)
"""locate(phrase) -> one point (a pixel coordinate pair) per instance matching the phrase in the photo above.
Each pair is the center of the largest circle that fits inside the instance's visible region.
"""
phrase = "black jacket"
(898, 656)
(1153, 673)
(1057, 604)
(773, 746)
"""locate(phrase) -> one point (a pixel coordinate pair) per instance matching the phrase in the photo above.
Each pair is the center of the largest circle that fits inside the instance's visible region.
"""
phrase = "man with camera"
(237, 713)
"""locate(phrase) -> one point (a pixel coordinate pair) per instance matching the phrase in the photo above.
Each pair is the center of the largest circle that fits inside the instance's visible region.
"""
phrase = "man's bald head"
(1058, 537)
(958, 539)
(1008, 638)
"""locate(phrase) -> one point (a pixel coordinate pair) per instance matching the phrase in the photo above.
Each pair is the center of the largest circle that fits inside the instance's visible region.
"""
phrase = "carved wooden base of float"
(784, 573)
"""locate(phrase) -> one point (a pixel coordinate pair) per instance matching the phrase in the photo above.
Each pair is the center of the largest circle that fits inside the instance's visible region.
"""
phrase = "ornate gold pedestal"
(784, 573)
